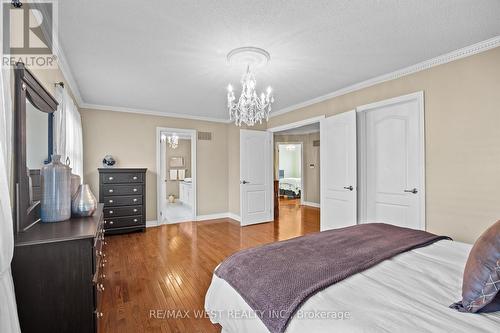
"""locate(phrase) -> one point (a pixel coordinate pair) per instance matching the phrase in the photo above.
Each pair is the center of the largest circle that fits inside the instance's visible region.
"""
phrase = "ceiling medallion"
(250, 108)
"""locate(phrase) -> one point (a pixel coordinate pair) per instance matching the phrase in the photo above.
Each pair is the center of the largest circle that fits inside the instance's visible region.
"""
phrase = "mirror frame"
(26, 86)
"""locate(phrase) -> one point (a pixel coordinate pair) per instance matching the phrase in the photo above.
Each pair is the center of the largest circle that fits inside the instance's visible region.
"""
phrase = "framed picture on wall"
(176, 162)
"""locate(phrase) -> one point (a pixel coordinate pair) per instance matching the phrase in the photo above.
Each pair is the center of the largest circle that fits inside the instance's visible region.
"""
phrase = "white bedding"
(291, 184)
(408, 293)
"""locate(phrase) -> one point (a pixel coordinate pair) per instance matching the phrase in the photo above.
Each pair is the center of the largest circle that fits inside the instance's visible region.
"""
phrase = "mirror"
(38, 150)
(33, 117)
(37, 137)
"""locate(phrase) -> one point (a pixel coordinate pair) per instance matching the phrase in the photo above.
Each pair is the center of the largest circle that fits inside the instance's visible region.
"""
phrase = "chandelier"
(173, 141)
(250, 108)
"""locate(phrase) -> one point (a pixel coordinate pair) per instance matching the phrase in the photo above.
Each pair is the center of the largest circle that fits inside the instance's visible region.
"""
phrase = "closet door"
(338, 171)
(394, 165)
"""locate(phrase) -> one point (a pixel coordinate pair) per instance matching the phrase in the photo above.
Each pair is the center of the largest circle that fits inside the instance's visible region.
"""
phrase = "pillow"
(481, 281)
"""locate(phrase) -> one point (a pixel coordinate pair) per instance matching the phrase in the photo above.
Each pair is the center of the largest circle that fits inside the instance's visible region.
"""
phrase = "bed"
(290, 187)
(410, 292)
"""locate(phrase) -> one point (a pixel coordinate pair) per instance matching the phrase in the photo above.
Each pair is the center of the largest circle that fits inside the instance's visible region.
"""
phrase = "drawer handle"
(135, 220)
(98, 314)
(111, 212)
(134, 178)
(110, 178)
(110, 190)
(110, 201)
(135, 190)
(135, 200)
(135, 210)
(111, 222)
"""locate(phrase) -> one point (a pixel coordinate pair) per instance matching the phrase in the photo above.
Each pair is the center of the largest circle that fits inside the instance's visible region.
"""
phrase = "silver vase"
(55, 185)
(83, 202)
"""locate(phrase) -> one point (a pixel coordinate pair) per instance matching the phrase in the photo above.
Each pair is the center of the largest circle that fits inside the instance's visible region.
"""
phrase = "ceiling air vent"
(316, 143)
(205, 136)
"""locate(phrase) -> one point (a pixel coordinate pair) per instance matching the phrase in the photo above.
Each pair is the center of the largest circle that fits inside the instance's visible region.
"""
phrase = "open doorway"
(296, 166)
(289, 160)
(176, 162)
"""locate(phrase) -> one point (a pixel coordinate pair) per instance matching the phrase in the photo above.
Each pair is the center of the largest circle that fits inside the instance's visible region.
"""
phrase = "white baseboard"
(234, 217)
(150, 224)
(312, 204)
(211, 216)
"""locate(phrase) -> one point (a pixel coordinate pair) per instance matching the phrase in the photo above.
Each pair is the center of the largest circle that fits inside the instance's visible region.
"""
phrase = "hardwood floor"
(166, 270)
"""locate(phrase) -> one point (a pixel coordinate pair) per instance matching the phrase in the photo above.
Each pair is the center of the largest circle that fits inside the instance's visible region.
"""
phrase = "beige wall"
(131, 139)
(462, 125)
(311, 190)
(183, 150)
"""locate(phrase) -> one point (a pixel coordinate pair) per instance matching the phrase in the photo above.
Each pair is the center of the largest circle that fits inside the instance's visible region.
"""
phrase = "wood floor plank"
(169, 268)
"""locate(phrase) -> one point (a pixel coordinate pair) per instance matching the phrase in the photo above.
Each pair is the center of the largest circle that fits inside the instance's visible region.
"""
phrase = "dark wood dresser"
(58, 275)
(123, 192)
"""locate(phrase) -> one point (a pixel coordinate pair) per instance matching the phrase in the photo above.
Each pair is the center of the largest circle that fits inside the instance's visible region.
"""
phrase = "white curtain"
(8, 310)
(68, 139)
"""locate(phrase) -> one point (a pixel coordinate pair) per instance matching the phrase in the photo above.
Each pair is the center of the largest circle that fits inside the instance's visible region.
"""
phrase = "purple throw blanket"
(278, 278)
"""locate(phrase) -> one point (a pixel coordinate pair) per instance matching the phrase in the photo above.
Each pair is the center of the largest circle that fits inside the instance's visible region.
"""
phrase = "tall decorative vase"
(56, 194)
(84, 202)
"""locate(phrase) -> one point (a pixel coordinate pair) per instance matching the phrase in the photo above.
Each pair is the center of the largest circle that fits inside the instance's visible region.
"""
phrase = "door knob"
(413, 190)
(350, 188)
(245, 182)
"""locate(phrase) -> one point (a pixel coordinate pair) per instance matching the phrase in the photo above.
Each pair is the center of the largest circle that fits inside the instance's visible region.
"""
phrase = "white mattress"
(408, 293)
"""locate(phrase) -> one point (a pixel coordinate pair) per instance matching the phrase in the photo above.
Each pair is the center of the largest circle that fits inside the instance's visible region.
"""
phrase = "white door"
(394, 142)
(338, 171)
(255, 176)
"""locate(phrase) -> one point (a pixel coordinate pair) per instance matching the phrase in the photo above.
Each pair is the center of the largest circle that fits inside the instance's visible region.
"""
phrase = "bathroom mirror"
(33, 140)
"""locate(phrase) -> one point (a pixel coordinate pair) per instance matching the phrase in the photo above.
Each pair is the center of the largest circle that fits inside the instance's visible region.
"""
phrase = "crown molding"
(68, 75)
(151, 113)
(421, 66)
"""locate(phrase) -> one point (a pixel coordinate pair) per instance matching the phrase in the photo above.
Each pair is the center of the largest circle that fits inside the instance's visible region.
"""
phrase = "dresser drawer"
(122, 211)
(122, 189)
(122, 177)
(129, 200)
(120, 222)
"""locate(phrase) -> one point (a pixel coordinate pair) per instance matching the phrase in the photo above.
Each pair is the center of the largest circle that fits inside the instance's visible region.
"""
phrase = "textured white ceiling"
(169, 56)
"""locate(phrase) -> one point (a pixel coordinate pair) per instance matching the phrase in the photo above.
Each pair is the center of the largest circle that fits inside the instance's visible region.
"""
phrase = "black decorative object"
(108, 161)
(16, 3)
